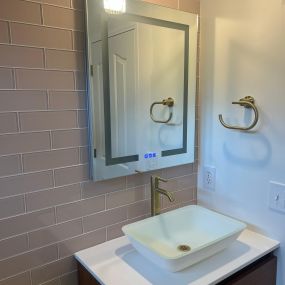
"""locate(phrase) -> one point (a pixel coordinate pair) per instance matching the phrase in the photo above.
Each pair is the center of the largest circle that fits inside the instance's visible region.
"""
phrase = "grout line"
(30, 277)
(9, 32)
(54, 5)
(42, 131)
(42, 14)
(43, 110)
(47, 26)
(18, 121)
(28, 239)
(41, 47)
(21, 163)
(41, 69)
(48, 99)
(25, 203)
(48, 170)
(45, 58)
(77, 119)
(14, 77)
(53, 177)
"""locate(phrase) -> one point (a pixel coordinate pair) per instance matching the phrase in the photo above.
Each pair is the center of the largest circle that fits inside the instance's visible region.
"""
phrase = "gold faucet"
(155, 197)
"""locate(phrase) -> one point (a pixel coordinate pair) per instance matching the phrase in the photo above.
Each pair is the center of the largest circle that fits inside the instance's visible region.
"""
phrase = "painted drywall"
(48, 207)
(242, 53)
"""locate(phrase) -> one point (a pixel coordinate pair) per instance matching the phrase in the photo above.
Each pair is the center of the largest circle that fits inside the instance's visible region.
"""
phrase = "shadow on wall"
(247, 144)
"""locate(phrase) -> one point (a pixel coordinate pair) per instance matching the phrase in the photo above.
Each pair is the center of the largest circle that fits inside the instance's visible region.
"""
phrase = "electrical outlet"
(209, 177)
(277, 196)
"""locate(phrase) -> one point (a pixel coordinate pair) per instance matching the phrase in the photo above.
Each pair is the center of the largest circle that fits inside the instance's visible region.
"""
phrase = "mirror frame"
(159, 16)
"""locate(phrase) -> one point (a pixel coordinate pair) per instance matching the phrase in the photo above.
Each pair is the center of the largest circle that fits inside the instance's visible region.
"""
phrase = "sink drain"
(184, 247)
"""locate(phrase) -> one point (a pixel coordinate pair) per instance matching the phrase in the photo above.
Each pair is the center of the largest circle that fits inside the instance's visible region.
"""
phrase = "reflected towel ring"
(247, 102)
(166, 102)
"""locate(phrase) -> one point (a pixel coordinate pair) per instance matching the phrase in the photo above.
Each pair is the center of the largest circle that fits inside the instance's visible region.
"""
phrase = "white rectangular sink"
(183, 237)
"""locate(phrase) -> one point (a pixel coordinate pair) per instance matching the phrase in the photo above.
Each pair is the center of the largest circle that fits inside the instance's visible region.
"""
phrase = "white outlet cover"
(209, 183)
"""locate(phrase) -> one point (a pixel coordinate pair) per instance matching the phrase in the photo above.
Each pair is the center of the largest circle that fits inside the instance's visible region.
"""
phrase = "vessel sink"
(180, 238)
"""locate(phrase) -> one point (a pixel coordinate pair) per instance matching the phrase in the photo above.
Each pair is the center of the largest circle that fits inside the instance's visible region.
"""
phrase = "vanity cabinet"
(261, 272)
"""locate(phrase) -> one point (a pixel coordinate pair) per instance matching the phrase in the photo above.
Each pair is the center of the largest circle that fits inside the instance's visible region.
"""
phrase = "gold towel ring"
(166, 102)
(247, 102)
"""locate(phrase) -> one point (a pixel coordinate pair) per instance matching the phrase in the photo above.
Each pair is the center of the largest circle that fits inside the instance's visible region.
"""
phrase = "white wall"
(243, 53)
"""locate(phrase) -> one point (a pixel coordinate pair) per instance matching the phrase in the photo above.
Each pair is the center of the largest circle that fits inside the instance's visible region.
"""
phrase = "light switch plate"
(277, 196)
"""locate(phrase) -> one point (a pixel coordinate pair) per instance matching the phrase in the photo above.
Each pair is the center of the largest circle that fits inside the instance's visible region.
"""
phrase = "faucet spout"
(155, 195)
(166, 193)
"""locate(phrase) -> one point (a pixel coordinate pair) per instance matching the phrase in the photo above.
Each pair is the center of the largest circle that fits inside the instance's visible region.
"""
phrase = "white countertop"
(116, 262)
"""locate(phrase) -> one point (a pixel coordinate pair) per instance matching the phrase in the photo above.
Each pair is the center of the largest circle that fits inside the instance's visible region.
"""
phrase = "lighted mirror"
(142, 85)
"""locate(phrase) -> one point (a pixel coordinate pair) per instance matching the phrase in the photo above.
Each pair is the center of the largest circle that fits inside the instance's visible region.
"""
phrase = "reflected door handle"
(166, 102)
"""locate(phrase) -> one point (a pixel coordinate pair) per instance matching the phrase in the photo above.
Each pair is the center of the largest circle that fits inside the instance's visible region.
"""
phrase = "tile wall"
(48, 207)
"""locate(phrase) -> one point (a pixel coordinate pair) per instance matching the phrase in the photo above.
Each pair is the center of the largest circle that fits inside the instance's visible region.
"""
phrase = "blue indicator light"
(150, 155)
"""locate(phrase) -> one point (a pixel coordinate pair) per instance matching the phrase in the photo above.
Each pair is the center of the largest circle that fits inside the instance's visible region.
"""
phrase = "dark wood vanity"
(261, 272)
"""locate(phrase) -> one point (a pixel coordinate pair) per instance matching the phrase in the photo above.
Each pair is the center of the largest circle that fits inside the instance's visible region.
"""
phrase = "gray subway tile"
(19, 184)
(24, 142)
(6, 78)
(26, 222)
(48, 120)
(53, 270)
(20, 279)
(104, 219)
(19, 56)
(69, 247)
(44, 79)
(40, 36)
(69, 138)
(63, 18)
(177, 171)
(52, 197)
(26, 261)
(21, 11)
(139, 209)
(20, 100)
(80, 208)
(125, 197)
(4, 32)
(8, 123)
(13, 246)
(50, 159)
(115, 231)
(56, 233)
(72, 174)
(69, 279)
(12, 206)
(91, 189)
(10, 164)
(67, 100)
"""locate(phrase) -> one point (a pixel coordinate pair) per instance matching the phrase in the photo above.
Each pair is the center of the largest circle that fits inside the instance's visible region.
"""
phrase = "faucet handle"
(162, 179)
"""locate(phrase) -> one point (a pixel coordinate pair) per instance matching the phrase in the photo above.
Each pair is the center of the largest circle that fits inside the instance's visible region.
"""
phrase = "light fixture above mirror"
(115, 6)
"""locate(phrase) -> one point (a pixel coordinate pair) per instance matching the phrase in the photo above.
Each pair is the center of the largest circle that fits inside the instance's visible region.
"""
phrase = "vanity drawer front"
(261, 272)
